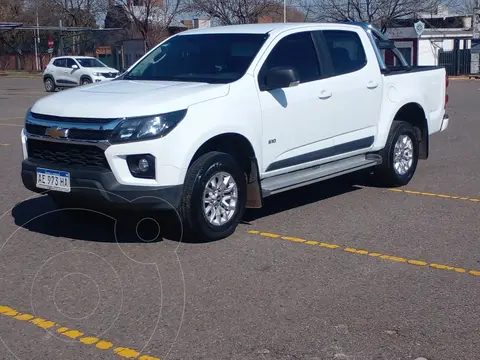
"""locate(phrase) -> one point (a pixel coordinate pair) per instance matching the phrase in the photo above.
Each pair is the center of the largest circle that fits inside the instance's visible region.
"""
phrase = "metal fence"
(456, 62)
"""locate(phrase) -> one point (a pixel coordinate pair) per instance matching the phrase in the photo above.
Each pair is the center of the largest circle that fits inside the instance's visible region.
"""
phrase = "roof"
(261, 28)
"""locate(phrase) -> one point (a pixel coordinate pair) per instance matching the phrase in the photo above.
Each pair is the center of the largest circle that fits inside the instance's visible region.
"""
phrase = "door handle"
(372, 84)
(324, 94)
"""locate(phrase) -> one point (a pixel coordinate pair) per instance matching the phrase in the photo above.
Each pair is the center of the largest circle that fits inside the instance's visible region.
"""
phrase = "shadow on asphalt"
(40, 215)
(307, 195)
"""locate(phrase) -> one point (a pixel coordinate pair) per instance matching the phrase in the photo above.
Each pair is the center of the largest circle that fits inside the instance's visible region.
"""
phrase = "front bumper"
(100, 78)
(100, 187)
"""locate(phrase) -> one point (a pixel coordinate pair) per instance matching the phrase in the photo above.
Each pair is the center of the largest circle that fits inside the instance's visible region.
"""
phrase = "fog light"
(143, 165)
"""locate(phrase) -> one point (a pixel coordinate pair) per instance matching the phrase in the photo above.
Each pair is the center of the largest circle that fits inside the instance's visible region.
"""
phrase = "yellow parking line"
(366, 252)
(73, 334)
(4, 144)
(412, 192)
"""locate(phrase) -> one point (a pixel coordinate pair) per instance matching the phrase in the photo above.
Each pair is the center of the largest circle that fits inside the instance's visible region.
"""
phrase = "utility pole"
(475, 55)
(284, 11)
(36, 37)
(36, 49)
(60, 44)
(38, 42)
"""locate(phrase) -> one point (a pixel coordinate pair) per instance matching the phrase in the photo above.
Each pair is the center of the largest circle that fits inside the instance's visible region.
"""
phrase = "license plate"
(53, 180)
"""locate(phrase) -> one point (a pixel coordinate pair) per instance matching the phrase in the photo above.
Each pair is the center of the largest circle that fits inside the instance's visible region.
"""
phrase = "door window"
(296, 51)
(346, 51)
(70, 63)
(60, 63)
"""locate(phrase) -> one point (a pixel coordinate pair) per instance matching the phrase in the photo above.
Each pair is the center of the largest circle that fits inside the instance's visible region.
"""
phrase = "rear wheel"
(49, 84)
(400, 156)
(214, 197)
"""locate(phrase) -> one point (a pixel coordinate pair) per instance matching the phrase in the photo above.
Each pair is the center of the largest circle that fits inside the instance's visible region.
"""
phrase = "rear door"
(356, 87)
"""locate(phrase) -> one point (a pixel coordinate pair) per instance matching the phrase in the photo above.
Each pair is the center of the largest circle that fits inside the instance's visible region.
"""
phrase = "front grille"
(108, 75)
(71, 119)
(74, 134)
(67, 154)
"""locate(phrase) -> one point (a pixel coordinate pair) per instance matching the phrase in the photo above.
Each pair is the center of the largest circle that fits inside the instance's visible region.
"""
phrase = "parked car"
(214, 120)
(69, 71)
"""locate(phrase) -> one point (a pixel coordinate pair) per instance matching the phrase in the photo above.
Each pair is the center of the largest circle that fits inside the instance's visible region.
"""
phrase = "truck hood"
(126, 98)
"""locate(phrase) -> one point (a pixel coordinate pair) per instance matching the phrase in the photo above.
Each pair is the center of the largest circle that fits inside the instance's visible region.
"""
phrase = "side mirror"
(74, 67)
(385, 44)
(280, 77)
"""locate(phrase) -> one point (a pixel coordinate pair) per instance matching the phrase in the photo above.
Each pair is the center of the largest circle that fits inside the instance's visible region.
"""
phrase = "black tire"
(49, 84)
(195, 224)
(85, 81)
(386, 174)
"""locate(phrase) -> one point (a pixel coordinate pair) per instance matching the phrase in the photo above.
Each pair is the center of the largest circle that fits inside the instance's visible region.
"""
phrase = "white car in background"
(70, 71)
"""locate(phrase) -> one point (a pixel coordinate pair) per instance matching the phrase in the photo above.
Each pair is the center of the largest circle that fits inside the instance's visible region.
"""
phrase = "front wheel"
(86, 81)
(400, 156)
(214, 197)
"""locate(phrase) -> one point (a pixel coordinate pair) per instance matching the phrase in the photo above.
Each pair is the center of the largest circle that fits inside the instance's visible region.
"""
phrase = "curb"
(20, 75)
(471, 77)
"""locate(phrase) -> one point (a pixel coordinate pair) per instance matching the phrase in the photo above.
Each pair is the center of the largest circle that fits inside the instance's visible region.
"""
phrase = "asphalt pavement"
(336, 270)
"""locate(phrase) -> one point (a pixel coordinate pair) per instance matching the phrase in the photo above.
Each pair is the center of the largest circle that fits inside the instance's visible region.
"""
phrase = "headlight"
(96, 74)
(146, 127)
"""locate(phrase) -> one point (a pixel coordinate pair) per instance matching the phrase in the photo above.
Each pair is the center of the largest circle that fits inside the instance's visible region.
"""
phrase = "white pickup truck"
(213, 120)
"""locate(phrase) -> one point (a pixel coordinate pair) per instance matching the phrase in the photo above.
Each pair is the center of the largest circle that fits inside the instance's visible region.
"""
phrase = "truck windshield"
(210, 58)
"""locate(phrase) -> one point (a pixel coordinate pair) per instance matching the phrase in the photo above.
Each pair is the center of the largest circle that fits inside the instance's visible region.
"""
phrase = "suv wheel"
(86, 81)
(49, 84)
(214, 197)
(400, 156)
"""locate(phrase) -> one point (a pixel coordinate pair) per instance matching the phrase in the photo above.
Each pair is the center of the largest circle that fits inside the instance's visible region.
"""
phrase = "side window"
(297, 51)
(346, 50)
(70, 63)
(59, 63)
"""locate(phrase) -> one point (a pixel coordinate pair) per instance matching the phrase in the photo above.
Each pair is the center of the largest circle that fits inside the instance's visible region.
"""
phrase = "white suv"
(69, 71)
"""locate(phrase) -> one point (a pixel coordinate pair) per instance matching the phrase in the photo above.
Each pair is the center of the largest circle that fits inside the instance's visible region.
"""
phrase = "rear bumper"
(100, 187)
(445, 122)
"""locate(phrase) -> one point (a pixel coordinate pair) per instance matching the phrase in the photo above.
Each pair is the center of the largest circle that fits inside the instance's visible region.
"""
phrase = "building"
(196, 23)
(445, 41)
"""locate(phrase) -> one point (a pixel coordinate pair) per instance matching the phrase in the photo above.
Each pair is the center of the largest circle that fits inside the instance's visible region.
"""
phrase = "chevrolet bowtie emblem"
(57, 132)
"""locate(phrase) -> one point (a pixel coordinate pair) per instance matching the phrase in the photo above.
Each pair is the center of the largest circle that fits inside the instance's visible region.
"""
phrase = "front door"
(72, 75)
(294, 119)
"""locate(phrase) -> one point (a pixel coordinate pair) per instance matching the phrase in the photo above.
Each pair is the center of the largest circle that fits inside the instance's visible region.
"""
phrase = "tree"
(380, 13)
(229, 12)
(151, 18)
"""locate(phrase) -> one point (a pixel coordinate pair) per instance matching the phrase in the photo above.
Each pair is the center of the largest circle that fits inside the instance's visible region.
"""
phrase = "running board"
(292, 180)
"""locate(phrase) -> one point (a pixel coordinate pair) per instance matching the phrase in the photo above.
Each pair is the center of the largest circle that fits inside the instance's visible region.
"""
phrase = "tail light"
(446, 87)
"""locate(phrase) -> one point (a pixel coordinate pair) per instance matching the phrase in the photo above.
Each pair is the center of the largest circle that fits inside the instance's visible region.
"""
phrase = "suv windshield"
(88, 63)
(211, 58)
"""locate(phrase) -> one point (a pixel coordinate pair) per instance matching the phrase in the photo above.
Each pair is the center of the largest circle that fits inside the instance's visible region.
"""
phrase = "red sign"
(50, 43)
